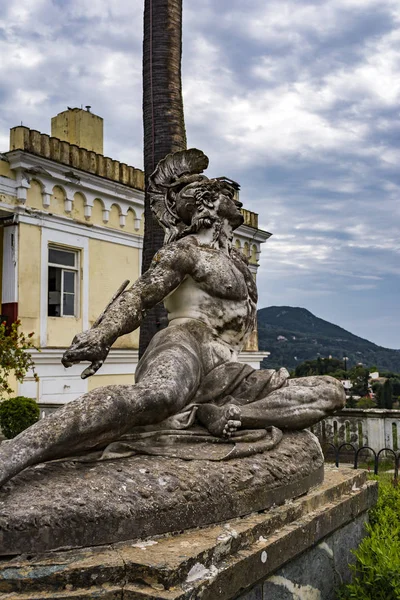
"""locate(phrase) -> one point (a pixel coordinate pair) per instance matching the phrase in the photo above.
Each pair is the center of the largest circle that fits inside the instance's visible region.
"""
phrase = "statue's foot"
(220, 421)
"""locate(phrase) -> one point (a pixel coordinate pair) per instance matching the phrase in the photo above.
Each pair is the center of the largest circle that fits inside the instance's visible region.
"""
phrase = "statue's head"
(184, 201)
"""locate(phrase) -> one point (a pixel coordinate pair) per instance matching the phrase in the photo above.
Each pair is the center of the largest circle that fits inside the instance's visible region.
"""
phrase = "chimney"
(80, 127)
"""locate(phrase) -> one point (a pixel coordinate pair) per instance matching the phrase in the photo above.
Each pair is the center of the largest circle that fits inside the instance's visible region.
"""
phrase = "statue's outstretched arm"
(167, 271)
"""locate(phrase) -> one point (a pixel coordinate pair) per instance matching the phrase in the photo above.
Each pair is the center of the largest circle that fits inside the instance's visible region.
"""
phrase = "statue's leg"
(301, 403)
(104, 414)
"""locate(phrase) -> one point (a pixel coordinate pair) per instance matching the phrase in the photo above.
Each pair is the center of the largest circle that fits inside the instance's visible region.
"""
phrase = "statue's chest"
(220, 275)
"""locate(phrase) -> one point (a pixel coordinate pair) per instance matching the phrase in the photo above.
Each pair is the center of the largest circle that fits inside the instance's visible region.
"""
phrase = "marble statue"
(190, 372)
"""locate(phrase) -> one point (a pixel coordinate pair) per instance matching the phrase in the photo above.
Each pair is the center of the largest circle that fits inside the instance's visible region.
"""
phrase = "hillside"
(294, 335)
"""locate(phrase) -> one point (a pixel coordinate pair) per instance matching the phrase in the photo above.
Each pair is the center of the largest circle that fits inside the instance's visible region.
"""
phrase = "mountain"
(293, 335)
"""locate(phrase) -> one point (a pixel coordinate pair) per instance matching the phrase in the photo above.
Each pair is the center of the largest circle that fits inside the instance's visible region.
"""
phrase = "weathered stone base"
(262, 556)
(70, 504)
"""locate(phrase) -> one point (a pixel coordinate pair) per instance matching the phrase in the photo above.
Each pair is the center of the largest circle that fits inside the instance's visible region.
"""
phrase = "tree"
(320, 369)
(377, 388)
(14, 357)
(365, 402)
(387, 394)
(359, 377)
(321, 366)
(396, 387)
(351, 402)
(163, 120)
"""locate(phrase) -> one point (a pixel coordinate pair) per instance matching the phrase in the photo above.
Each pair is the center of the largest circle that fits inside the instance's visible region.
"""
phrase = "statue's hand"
(87, 346)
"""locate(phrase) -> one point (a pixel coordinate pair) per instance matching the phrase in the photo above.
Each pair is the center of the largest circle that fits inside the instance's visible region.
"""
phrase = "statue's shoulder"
(187, 244)
(239, 257)
(181, 254)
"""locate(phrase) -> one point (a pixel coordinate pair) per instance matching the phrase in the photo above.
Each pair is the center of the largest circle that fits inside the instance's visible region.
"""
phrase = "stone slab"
(222, 561)
(74, 504)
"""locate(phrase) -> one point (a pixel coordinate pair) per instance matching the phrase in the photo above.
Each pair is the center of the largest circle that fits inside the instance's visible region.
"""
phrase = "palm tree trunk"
(163, 120)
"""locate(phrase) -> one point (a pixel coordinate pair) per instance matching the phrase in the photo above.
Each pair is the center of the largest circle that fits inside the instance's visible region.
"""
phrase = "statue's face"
(228, 208)
(209, 200)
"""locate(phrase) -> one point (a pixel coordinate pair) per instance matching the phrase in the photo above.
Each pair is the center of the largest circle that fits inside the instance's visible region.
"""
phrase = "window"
(62, 282)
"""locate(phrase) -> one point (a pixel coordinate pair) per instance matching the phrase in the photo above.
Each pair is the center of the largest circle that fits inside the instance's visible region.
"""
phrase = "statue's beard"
(222, 236)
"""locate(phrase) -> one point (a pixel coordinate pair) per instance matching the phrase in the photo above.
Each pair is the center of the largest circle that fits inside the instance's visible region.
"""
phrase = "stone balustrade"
(41, 144)
(377, 428)
(250, 218)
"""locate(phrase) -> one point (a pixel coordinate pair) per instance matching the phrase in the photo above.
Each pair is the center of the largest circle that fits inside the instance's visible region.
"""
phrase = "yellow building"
(71, 231)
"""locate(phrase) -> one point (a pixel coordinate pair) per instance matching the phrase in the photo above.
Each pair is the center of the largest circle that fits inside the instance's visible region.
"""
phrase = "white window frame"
(51, 235)
(76, 269)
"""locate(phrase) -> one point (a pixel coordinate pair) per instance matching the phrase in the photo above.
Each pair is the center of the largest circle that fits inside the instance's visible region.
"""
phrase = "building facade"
(71, 231)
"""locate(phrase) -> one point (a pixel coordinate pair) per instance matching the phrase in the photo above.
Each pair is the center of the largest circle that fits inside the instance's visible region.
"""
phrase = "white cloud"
(361, 287)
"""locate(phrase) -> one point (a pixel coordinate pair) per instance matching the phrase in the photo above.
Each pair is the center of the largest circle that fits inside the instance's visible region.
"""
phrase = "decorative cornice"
(61, 223)
(50, 173)
(257, 235)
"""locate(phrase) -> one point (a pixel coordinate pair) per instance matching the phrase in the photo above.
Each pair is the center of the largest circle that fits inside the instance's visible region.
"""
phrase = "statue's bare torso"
(219, 291)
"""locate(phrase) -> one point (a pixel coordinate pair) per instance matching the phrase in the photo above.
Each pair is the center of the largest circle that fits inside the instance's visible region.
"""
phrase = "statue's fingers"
(67, 360)
(91, 370)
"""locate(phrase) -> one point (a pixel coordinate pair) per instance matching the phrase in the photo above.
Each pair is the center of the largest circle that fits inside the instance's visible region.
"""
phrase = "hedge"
(17, 414)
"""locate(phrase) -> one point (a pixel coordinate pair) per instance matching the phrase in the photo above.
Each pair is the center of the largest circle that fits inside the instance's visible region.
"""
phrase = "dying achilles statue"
(190, 372)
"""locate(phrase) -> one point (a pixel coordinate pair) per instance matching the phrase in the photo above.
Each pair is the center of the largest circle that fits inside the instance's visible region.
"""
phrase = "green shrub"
(16, 414)
(351, 402)
(376, 573)
(365, 402)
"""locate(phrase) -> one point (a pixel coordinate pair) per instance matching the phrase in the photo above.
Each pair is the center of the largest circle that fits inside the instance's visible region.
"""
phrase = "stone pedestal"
(299, 549)
(72, 504)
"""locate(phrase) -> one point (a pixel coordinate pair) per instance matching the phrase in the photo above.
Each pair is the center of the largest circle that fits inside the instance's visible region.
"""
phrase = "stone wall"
(377, 428)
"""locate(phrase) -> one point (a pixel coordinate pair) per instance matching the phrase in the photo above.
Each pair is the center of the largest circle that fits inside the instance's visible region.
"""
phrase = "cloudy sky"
(297, 100)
